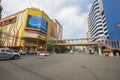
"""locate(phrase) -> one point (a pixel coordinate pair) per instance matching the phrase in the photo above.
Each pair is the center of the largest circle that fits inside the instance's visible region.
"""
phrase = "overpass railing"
(72, 41)
(111, 44)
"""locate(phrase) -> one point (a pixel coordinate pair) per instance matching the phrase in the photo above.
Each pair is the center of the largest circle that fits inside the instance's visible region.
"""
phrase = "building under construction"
(29, 29)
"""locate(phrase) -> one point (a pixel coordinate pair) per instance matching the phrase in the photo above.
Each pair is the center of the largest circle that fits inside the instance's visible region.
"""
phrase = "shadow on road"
(84, 67)
(4, 59)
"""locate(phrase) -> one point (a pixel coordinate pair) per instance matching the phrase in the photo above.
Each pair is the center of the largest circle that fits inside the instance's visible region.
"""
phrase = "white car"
(22, 52)
(8, 53)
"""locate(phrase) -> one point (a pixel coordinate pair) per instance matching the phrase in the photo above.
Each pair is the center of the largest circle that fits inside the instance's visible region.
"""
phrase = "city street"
(77, 66)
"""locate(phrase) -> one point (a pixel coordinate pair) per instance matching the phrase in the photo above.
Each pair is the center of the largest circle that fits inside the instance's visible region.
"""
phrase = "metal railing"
(111, 44)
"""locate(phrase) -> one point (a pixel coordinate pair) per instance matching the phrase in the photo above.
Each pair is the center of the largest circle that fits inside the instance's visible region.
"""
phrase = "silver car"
(8, 53)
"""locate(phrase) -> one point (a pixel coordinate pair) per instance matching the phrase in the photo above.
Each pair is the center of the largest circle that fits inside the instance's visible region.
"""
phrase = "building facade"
(30, 28)
(58, 29)
(87, 33)
(104, 19)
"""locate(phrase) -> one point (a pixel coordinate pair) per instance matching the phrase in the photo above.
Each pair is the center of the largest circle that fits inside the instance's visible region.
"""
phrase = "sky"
(69, 13)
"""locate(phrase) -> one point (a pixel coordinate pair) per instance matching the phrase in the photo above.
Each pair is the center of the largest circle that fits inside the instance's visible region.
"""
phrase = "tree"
(50, 45)
(63, 49)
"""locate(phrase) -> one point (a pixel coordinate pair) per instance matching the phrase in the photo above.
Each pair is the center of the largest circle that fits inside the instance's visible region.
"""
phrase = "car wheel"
(15, 57)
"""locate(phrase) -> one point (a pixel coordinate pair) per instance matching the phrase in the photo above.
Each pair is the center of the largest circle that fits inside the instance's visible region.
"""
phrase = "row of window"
(93, 19)
(92, 27)
(8, 21)
(8, 51)
(93, 6)
(92, 14)
(100, 29)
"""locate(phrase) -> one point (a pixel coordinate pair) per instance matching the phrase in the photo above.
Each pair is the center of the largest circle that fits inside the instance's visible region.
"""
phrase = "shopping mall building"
(30, 28)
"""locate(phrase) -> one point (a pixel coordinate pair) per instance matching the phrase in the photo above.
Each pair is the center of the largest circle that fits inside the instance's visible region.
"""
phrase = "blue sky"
(69, 13)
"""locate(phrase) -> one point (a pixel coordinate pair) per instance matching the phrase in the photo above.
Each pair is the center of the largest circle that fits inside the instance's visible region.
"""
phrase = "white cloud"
(73, 21)
(70, 13)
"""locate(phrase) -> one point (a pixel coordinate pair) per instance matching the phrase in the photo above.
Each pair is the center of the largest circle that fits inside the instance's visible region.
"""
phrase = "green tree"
(50, 45)
(63, 49)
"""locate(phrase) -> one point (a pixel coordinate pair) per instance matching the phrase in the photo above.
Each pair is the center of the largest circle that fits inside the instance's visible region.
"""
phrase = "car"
(44, 53)
(8, 53)
(22, 52)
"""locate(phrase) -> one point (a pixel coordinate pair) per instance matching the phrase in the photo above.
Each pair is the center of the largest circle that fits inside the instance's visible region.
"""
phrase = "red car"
(44, 53)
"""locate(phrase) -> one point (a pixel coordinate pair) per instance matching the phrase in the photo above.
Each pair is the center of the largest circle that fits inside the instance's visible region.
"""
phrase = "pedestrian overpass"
(110, 44)
(75, 42)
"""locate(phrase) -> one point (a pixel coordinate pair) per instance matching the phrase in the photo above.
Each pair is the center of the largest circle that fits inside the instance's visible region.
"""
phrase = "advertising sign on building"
(31, 33)
(37, 22)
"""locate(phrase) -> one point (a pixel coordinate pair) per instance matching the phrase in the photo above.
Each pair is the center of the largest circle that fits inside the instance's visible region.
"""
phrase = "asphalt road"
(61, 67)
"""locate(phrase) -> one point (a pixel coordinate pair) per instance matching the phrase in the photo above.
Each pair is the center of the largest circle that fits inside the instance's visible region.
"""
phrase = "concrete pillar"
(99, 50)
(117, 54)
(111, 53)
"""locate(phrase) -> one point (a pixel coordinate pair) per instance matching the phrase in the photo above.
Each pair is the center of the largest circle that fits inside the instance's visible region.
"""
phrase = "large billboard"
(37, 22)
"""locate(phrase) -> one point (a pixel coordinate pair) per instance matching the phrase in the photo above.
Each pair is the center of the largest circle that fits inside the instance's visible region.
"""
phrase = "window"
(2, 50)
(8, 51)
(8, 21)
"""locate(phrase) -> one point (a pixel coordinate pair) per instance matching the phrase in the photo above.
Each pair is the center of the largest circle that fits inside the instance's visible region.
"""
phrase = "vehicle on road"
(8, 53)
(22, 52)
(44, 53)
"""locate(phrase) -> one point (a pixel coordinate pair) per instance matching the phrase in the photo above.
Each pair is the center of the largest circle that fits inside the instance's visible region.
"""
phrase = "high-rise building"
(0, 9)
(87, 28)
(28, 28)
(104, 19)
